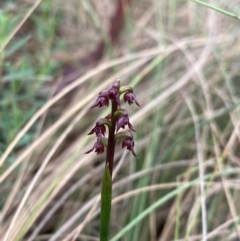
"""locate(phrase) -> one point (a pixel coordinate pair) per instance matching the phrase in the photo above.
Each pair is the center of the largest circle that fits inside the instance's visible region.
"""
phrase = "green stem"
(106, 199)
(232, 15)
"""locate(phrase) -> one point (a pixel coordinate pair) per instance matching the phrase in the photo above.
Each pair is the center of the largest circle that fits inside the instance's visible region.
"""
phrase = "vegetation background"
(183, 61)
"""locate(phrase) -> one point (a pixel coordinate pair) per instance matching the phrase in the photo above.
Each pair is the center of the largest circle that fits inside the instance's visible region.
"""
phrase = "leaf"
(106, 198)
(17, 45)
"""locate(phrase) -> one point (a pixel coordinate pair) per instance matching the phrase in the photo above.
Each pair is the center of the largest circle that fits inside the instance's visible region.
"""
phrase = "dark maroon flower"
(98, 147)
(130, 97)
(122, 121)
(101, 101)
(98, 130)
(130, 145)
(112, 93)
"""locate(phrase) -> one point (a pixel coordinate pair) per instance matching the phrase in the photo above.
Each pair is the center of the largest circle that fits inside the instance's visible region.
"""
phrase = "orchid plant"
(117, 119)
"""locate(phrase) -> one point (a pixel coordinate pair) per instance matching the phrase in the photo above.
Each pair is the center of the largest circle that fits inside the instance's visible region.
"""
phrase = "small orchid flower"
(130, 145)
(98, 147)
(123, 119)
(127, 138)
(130, 97)
(99, 129)
(112, 93)
(101, 101)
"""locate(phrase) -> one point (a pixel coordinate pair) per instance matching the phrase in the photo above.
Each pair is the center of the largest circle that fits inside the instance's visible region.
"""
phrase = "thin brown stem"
(111, 139)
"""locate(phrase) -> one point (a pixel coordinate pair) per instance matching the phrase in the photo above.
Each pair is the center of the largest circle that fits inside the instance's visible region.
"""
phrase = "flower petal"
(130, 145)
(90, 150)
(131, 127)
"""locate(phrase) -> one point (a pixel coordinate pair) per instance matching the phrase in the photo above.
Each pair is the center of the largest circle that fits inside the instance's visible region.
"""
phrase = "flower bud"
(112, 93)
(116, 84)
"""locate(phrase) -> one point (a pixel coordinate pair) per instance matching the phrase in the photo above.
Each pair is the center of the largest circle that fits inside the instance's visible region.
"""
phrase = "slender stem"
(217, 9)
(111, 140)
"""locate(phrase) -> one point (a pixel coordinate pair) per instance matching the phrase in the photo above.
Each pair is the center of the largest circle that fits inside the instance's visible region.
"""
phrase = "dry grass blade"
(167, 50)
(201, 167)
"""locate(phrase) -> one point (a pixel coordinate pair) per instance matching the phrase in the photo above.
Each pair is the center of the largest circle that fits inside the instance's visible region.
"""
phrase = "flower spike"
(116, 120)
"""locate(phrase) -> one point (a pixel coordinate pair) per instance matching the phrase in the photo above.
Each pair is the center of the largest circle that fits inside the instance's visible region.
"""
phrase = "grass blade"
(232, 15)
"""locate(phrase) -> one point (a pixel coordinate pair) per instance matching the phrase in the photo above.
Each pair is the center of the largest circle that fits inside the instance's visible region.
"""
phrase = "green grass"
(26, 64)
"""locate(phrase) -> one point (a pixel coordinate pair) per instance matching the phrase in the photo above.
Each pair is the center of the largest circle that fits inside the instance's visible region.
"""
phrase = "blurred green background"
(182, 59)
